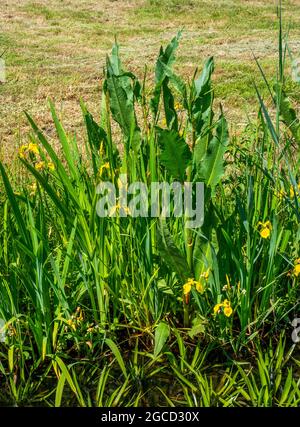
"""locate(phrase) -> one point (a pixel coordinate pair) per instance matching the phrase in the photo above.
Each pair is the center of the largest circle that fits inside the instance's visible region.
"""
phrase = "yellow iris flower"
(199, 285)
(227, 309)
(296, 270)
(40, 165)
(265, 229)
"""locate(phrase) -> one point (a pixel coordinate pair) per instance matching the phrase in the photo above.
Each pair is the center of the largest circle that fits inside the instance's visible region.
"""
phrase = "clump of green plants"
(119, 302)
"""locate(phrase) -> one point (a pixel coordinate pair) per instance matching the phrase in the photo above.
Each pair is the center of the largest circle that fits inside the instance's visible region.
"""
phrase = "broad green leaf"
(115, 60)
(170, 254)
(169, 106)
(166, 58)
(121, 107)
(121, 99)
(175, 155)
(202, 84)
(203, 95)
(176, 80)
(197, 327)
(162, 332)
(211, 168)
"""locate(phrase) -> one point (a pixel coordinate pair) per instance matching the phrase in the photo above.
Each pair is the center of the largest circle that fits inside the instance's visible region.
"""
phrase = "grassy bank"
(56, 50)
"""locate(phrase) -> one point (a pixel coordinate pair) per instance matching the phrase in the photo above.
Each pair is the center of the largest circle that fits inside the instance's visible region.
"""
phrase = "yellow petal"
(292, 191)
(200, 287)
(33, 148)
(103, 167)
(217, 308)
(228, 311)
(51, 166)
(205, 274)
(265, 233)
(268, 225)
(296, 270)
(40, 165)
(187, 288)
(22, 151)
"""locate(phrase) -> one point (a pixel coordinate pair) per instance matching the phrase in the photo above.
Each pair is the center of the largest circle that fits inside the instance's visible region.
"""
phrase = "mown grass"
(56, 49)
(112, 311)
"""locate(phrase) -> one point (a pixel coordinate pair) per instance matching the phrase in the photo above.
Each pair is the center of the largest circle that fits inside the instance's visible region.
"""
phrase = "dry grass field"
(56, 49)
